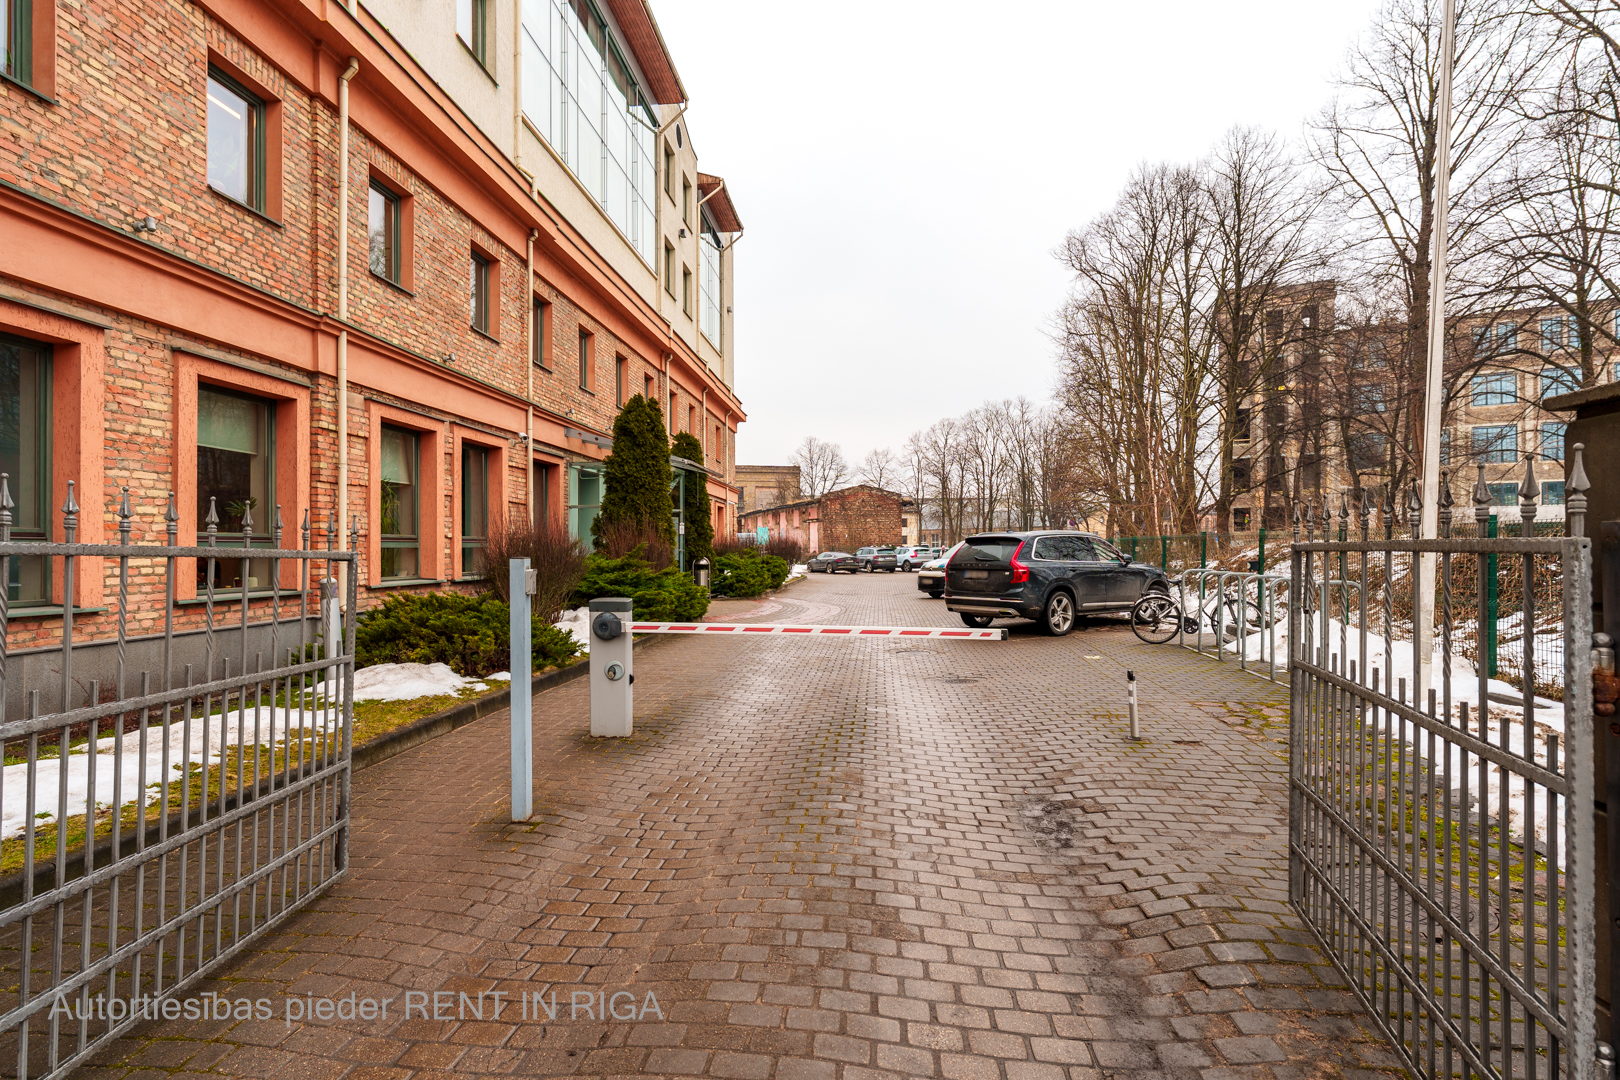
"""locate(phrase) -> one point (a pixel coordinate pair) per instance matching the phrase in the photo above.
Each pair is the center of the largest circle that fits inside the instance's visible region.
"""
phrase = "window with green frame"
(236, 155)
(17, 25)
(236, 469)
(25, 458)
(474, 508)
(585, 483)
(399, 491)
(382, 232)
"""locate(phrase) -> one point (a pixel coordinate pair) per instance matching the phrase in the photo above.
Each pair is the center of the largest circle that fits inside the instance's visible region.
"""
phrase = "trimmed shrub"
(699, 517)
(557, 559)
(638, 475)
(658, 595)
(785, 547)
(469, 632)
(748, 573)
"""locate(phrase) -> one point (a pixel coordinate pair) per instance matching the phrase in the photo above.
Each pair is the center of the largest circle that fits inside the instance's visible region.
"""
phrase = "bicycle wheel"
(1155, 618)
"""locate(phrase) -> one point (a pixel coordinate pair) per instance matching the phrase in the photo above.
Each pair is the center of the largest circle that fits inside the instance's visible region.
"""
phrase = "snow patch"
(404, 682)
(577, 621)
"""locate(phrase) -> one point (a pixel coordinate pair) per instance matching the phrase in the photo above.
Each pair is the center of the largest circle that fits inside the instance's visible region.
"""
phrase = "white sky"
(905, 170)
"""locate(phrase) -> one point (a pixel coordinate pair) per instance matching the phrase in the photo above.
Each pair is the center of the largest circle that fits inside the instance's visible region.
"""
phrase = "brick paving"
(826, 860)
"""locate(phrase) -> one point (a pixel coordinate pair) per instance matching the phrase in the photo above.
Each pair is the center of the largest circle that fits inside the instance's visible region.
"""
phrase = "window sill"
(401, 583)
(544, 367)
(240, 205)
(475, 59)
(46, 98)
(485, 334)
(18, 614)
(392, 284)
(234, 595)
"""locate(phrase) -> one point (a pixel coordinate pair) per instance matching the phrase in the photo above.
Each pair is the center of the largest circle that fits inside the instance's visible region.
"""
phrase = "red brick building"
(841, 520)
(426, 326)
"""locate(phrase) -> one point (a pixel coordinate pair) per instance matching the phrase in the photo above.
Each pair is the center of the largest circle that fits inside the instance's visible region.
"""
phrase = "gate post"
(612, 697)
(521, 663)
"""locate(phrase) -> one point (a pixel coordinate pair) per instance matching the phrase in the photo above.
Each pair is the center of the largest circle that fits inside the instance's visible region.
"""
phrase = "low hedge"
(665, 595)
(748, 573)
(469, 632)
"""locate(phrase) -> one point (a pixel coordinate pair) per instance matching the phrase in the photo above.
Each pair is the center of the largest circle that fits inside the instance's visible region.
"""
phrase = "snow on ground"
(577, 621)
(187, 742)
(405, 682)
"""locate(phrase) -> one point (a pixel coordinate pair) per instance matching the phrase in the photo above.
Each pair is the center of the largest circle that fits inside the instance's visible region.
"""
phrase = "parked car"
(931, 574)
(874, 559)
(830, 562)
(909, 558)
(1048, 576)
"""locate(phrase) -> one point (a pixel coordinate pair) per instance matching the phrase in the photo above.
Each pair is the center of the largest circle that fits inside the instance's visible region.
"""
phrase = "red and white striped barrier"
(994, 634)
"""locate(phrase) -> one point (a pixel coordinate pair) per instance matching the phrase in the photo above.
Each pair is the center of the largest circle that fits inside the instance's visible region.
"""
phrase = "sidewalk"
(826, 859)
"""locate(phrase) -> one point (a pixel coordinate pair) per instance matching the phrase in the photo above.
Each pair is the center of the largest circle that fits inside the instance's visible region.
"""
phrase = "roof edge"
(640, 29)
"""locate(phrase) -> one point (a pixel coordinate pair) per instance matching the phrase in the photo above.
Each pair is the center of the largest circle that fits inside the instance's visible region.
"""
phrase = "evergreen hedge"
(699, 517)
(469, 632)
(665, 595)
(638, 475)
(748, 573)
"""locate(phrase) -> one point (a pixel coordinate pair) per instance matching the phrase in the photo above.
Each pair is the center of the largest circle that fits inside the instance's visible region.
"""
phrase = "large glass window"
(1496, 442)
(709, 284)
(582, 97)
(1495, 388)
(1557, 333)
(383, 231)
(235, 141)
(584, 499)
(25, 458)
(399, 491)
(474, 508)
(16, 39)
(236, 470)
(1558, 380)
(1552, 440)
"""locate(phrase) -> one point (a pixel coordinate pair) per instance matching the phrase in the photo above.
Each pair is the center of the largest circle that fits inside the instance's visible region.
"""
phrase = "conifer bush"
(699, 516)
(657, 595)
(469, 632)
(748, 573)
(637, 475)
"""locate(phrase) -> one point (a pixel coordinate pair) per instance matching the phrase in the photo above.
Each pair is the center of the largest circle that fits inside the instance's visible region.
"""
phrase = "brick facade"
(841, 520)
(224, 295)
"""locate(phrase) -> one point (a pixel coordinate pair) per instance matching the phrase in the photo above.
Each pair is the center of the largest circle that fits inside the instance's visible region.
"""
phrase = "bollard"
(1130, 702)
(521, 587)
(612, 699)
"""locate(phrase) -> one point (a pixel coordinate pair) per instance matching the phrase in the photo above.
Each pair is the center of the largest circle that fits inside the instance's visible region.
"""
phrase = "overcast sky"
(906, 169)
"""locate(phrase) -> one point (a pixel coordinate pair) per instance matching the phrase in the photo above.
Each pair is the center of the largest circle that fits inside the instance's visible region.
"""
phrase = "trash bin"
(1254, 566)
(700, 573)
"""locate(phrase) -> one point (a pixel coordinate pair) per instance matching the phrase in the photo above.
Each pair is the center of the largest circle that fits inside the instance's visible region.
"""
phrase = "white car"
(931, 574)
(909, 558)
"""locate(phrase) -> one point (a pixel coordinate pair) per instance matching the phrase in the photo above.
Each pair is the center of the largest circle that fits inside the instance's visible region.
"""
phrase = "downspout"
(528, 400)
(341, 500)
(669, 421)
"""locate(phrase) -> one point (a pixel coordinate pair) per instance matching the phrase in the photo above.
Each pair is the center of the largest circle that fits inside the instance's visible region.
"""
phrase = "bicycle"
(1157, 617)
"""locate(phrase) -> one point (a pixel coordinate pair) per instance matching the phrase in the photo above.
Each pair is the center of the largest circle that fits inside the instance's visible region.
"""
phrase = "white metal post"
(521, 665)
(612, 697)
(1423, 622)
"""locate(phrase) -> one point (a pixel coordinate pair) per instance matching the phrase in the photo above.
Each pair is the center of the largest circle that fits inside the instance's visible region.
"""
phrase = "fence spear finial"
(70, 514)
(1482, 499)
(1575, 501)
(247, 522)
(123, 515)
(1386, 510)
(1296, 522)
(1414, 508)
(5, 506)
(212, 521)
(1445, 502)
(171, 519)
(1365, 511)
(1529, 493)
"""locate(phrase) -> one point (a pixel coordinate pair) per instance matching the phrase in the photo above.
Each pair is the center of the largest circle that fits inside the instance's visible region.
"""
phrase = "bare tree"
(822, 467)
(881, 469)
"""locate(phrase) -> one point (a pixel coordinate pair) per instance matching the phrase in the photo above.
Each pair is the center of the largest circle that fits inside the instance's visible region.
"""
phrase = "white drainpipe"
(341, 510)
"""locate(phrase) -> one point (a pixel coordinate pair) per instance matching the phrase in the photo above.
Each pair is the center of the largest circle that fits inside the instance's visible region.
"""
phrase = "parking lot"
(828, 859)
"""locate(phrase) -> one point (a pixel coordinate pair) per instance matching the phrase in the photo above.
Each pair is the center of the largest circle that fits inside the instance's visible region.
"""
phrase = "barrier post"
(521, 662)
(1262, 567)
(612, 699)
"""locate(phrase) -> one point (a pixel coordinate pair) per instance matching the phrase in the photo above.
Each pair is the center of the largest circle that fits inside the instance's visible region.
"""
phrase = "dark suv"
(1047, 576)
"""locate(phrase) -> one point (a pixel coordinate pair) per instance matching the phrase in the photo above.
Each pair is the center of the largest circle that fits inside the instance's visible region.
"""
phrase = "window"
(691, 419)
(709, 284)
(719, 445)
(1558, 380)
(472, 26)
(540, 333)
(474, 508)
(1243, 425)
(1507, 338)
(686, 290)
(542, 494)
(580, 96)
(480, 293)
(235, 141)
(669, 171)
(1496, 442)
(1504, 494)
(25, 456)
(584, 499)
(1240, 519)
(618, 380)
(1552, 440)
(383, 225)
(1494, 389)
(17, 39)
(1552, 493)
(1310, 472)
(669, 269)
(672, 410)
(647, 387)
(236, 475)
(1368, 398)
(399, 513)
(686, 201)
(1445, 446)
(1482, 341)
(1367, 452)
(1556, 333)
(587, 372)
(1242, 474)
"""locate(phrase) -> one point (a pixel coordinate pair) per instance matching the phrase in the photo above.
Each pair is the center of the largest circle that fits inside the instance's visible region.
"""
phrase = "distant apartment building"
(422, 320)
(1326, 402)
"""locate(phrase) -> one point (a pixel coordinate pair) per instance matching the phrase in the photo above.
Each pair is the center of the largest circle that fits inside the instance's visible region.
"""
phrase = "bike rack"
(1268, 588)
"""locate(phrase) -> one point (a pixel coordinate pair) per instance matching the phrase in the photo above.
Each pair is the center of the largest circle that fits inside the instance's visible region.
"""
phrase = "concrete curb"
(443, 722)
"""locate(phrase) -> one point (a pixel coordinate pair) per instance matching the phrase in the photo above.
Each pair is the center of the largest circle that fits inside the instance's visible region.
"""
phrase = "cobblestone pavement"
(823, 860)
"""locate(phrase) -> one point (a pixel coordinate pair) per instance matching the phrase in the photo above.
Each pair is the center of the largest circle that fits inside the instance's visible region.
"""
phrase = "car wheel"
(978, 622)
(936, 595)
(1058, 618)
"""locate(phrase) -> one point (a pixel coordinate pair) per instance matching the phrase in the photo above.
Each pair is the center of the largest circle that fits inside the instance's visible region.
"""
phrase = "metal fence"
(1441, 837)
(157, 825)
(1175, 553)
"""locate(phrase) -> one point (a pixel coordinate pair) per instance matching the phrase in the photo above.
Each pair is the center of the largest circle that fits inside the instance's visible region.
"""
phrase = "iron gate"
(1439, 850)
(177, 784)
